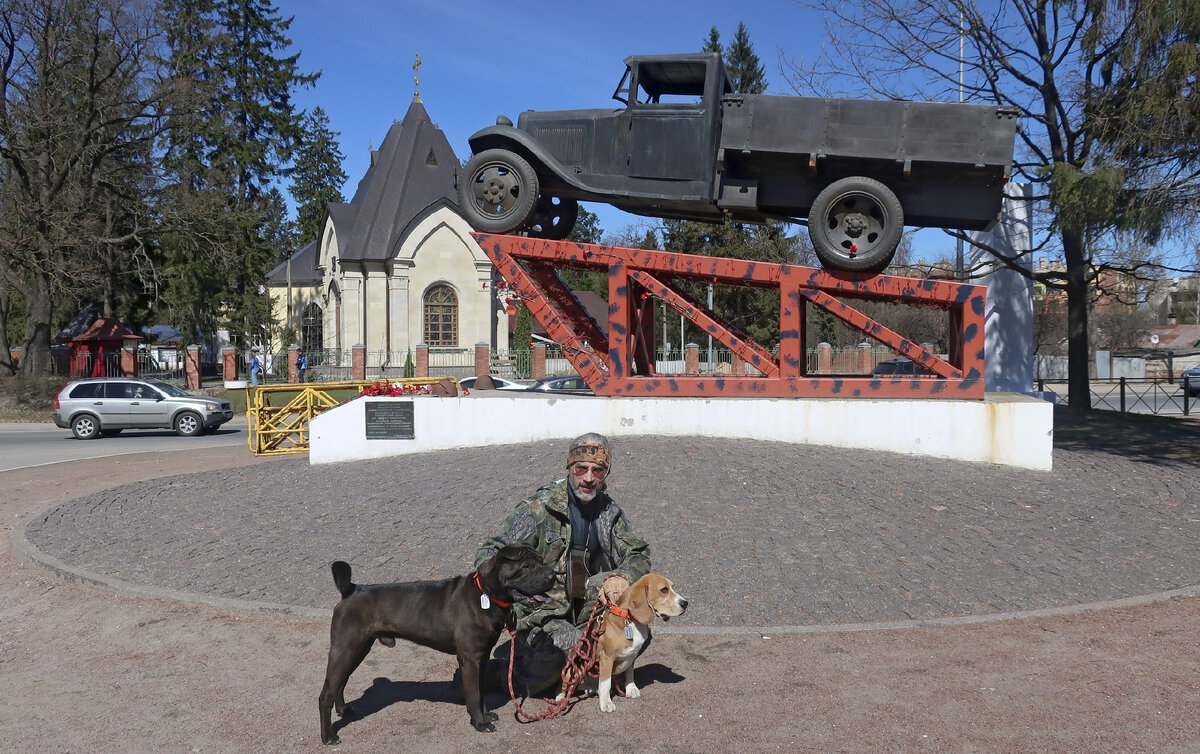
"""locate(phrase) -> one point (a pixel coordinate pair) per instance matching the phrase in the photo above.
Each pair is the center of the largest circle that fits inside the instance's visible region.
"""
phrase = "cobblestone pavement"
(758, 534)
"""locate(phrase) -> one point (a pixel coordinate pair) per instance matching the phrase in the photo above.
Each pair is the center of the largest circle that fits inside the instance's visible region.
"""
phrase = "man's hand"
(612, 588)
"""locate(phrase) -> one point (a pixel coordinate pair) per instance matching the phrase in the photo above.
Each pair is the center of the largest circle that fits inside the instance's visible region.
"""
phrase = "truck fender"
(517, 141)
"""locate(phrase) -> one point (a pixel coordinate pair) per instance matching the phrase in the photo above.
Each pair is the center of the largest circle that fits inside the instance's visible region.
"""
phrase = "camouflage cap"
(589, 448)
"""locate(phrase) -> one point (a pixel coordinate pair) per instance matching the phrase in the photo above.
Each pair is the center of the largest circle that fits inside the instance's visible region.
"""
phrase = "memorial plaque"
(388, 420)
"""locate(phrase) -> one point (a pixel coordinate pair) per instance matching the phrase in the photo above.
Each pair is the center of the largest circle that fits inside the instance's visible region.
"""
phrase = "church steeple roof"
(413, 171)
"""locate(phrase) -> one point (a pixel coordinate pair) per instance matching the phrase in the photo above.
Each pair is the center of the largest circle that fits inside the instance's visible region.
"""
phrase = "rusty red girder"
(620, 361)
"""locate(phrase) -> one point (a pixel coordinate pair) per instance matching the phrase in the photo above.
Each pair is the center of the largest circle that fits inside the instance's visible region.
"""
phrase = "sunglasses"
(583, 469)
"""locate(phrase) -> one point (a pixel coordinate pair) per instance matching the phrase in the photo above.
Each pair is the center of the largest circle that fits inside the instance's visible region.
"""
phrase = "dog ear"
(487, 569)
(639, 602)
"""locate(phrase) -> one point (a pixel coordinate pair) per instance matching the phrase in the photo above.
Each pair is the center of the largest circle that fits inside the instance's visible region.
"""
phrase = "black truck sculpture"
(684, 145)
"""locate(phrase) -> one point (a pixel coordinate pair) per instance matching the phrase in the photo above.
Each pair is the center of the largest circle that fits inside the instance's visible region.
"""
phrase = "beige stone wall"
(440, 250)
(282, 307)
(382, 307)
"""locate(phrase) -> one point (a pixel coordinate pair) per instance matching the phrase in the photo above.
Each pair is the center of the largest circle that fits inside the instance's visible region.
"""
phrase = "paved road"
(29, 444)
(762, 534)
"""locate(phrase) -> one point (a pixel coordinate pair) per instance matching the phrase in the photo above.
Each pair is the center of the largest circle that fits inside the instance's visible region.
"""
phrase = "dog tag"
(484, 602)
(628, 631)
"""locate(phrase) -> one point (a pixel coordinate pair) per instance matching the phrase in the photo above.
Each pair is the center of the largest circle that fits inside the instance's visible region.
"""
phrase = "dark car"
(1190, 380)
(104, 406)
(684, 145)
(572, 384)
(900, 368)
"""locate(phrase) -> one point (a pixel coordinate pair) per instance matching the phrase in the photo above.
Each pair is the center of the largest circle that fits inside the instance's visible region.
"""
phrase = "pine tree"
(745, 71)
(233, 131)
(317, 177)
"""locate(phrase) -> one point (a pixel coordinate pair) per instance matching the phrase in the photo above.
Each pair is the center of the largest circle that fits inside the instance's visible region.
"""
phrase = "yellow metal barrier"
(279, 429)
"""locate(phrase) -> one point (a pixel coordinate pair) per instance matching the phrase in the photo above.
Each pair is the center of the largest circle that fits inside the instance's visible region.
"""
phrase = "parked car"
(499, 382)
(683, 144)
(571, 383)
(899, 368)
(1191, 379)
(104, 406)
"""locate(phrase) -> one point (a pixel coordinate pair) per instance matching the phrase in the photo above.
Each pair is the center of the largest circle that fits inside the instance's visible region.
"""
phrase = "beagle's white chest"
(638, 634)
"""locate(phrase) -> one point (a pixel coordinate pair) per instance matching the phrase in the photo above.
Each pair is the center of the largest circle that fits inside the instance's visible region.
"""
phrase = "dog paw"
(606, 705)
(632, 692)
(485, 727)
(491, 716)
(332, 740)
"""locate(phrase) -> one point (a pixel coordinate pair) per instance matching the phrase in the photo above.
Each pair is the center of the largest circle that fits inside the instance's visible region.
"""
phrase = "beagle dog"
(626, 630)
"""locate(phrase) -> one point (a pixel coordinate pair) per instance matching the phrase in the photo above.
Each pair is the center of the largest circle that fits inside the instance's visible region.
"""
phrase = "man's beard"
(582, 495)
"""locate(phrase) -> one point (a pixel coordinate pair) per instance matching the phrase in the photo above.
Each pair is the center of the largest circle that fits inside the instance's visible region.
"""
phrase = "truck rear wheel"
(855, 224)
(499, 191)
(553, 218)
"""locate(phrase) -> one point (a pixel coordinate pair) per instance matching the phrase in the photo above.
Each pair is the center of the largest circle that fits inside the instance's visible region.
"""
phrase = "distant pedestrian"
(302, 366)
(255, 369)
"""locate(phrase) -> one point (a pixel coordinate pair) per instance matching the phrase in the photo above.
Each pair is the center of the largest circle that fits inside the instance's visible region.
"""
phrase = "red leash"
(581, 660)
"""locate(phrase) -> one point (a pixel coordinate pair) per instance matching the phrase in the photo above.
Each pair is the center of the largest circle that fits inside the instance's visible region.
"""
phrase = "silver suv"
(103, 406)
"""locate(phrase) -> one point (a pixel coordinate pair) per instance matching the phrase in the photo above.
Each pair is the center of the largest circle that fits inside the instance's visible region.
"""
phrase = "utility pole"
(959, 269)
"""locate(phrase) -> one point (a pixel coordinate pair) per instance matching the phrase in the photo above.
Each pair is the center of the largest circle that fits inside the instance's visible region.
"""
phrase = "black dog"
(461, 616)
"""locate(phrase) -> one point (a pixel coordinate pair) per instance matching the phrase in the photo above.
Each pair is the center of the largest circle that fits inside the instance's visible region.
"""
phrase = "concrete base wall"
(1006, 428)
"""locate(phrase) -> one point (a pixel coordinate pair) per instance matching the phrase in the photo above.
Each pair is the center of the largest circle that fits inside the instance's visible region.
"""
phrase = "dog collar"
(490, 598)
(621, 612)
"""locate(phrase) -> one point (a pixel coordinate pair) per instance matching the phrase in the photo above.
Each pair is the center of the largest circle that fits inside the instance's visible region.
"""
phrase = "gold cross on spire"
(416, 78)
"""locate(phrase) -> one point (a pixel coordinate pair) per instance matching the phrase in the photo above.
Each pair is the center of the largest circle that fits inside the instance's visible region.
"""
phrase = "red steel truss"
(621, 361)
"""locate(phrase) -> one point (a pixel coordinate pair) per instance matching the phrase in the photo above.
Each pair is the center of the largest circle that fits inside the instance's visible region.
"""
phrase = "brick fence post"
(824, 358)
(191, 368)
(865, 358)
(691, 359)
(229, 367)
(358, 362)
(537, 366)
(737, 366)
(129, 361)
(293, 364)
(483, 360)
(422, 365)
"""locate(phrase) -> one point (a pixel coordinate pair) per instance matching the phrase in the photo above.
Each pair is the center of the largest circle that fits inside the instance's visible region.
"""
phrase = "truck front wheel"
(855, 225)
(498, 192)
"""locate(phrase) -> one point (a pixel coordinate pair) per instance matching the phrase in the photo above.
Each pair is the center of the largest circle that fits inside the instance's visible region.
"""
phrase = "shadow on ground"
(1140, 437)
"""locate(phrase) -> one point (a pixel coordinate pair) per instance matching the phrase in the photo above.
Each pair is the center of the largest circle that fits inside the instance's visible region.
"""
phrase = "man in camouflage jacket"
(578, 530)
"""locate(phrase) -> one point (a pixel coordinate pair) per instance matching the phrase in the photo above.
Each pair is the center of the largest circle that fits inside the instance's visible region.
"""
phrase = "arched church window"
(441, 317)
(312, 328)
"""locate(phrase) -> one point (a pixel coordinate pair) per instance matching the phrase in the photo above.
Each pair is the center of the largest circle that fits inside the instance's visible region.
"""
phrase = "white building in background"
(396, 266)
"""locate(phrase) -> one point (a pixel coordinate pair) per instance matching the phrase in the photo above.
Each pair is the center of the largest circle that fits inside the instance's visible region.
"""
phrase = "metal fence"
(331, 365)
(1135, 396)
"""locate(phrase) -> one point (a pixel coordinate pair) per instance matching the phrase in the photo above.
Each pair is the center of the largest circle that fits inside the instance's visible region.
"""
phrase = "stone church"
(396, 266)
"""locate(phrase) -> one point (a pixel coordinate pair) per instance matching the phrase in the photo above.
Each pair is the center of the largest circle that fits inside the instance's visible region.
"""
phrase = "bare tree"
(1057, 63)
(76, 125)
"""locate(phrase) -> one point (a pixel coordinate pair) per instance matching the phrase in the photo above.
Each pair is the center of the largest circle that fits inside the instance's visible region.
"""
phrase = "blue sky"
(483, 59)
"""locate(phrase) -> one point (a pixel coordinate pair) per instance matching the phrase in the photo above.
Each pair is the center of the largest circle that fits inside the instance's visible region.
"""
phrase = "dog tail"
(341, 578)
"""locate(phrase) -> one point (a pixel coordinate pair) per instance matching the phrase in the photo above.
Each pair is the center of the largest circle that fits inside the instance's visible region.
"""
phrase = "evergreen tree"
(233, 131)
(317, 177)
(745, 71)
